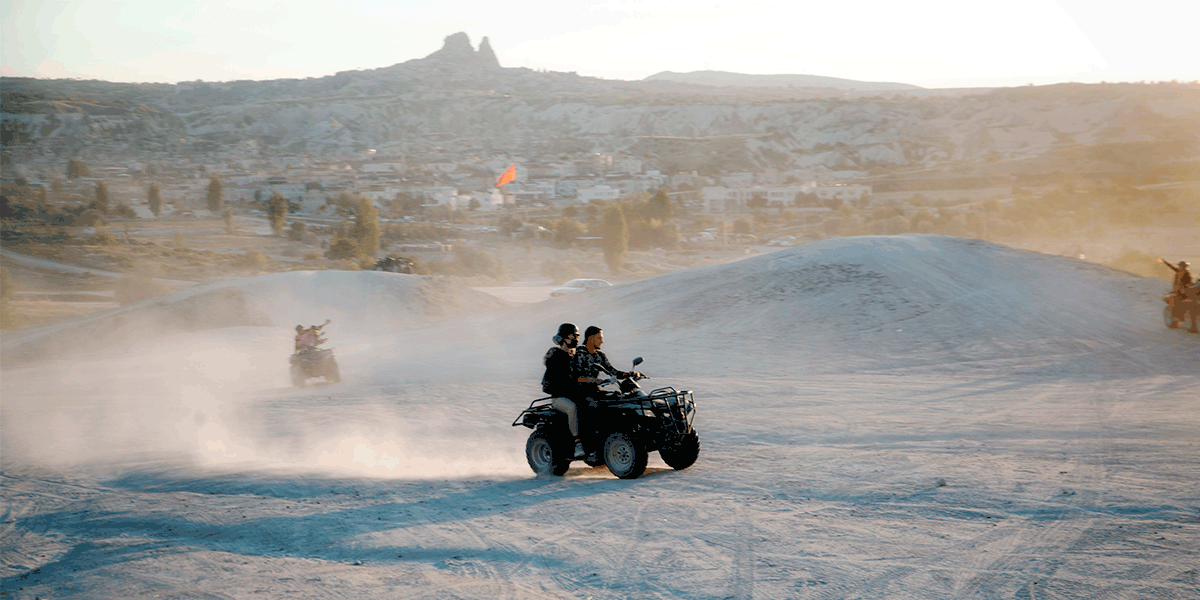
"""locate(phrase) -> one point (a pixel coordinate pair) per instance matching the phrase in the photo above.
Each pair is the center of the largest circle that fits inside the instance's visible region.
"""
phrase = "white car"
(575, 286)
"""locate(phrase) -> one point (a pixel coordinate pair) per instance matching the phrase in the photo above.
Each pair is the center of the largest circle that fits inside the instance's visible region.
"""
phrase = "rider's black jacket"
(558, 380)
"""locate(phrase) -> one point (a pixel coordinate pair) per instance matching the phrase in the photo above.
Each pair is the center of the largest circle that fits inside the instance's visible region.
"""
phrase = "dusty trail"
(1015, 449)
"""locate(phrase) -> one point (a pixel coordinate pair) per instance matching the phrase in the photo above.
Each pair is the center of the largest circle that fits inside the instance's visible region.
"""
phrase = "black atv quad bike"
(619, 431)
(318, 362)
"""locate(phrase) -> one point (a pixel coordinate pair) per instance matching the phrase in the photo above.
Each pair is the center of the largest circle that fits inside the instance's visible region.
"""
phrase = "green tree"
(616, 238)
(297, 232)
(342, 248)
(366, 227)
(154, 198)
(216, 196)
(660, 206)
(405, 204)
(77, 168)
(474, 205)
(122, 210)
(566, 230)
(277, 212)
(102, 198)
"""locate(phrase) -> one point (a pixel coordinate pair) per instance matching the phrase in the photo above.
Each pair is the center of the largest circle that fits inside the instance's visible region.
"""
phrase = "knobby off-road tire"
(298, 378)
(1168, 319)
(683, 454)
(624, 456)
(546, 454)
(332, 374)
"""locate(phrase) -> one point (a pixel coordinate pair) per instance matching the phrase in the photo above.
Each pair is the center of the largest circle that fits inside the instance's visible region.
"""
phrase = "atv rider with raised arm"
(1183, 276)
(1183, 280)
(308, 339)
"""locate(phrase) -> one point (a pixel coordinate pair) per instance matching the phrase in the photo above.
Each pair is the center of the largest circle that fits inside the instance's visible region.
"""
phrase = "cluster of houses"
(310, 184)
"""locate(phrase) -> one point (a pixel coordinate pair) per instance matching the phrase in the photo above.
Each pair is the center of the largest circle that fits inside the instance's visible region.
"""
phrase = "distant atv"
(394, 264)
(1183, 309)
(318, 362)
(619, 431)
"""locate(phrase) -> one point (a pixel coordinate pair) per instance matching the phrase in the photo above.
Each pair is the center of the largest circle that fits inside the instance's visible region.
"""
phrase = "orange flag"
(508, 175)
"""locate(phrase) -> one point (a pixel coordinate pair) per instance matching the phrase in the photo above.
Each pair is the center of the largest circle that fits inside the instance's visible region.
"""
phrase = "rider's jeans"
(568, 408)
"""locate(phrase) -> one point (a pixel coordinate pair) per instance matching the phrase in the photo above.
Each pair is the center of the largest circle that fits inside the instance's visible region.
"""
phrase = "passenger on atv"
(558, 381)
(307, 340)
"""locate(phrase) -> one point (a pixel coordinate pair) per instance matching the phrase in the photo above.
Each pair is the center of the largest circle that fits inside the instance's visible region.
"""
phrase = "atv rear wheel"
(298, 378)
(545, 456)
(683, 454)
(624, 457)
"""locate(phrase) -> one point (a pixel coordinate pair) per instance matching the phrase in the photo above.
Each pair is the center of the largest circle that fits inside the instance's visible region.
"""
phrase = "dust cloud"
(211, 399)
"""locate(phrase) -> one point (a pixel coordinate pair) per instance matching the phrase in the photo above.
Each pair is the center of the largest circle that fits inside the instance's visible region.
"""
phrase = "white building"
(569, 188)
(492, 200)
(599, 192)
(841, 191)
(545, 188)
(628, 164)
(442, 195)
(737, 199)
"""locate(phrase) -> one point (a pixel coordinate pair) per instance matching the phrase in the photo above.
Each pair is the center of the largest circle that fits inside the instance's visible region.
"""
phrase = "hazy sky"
(931, 43)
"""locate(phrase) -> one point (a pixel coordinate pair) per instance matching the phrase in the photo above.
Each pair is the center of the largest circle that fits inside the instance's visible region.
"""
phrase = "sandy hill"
(876, 303)
(862, 303)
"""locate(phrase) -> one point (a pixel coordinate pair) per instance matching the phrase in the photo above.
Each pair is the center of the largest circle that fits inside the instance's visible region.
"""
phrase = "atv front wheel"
(1168, 318)
(544, 456)
(332, 374)
(682, 455)
(624, 457)
(298, 378)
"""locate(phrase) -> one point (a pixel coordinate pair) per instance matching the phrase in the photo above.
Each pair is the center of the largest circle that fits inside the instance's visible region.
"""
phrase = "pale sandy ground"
(881, 417)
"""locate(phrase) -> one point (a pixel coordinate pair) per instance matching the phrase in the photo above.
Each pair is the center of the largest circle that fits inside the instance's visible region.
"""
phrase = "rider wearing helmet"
(308, 339)
(558, 380)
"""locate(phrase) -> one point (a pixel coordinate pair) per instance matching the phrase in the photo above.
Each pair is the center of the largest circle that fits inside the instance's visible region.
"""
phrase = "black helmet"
(564, 331)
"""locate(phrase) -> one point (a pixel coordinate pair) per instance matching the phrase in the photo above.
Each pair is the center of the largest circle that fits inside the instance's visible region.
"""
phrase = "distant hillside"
(459, 101)
(727, 79)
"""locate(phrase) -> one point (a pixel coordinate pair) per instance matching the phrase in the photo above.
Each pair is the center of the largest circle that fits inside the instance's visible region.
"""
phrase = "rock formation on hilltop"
(486, 55)
(457, 50)
(463, 94)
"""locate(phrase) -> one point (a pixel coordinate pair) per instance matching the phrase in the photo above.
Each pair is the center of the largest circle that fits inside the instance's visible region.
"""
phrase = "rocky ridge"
(461, 98)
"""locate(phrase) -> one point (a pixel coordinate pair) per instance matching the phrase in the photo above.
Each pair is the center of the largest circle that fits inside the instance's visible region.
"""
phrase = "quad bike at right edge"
(1180, 310)
(619, 431)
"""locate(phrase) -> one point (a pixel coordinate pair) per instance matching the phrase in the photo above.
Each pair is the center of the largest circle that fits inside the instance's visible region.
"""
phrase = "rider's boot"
(579, 449)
